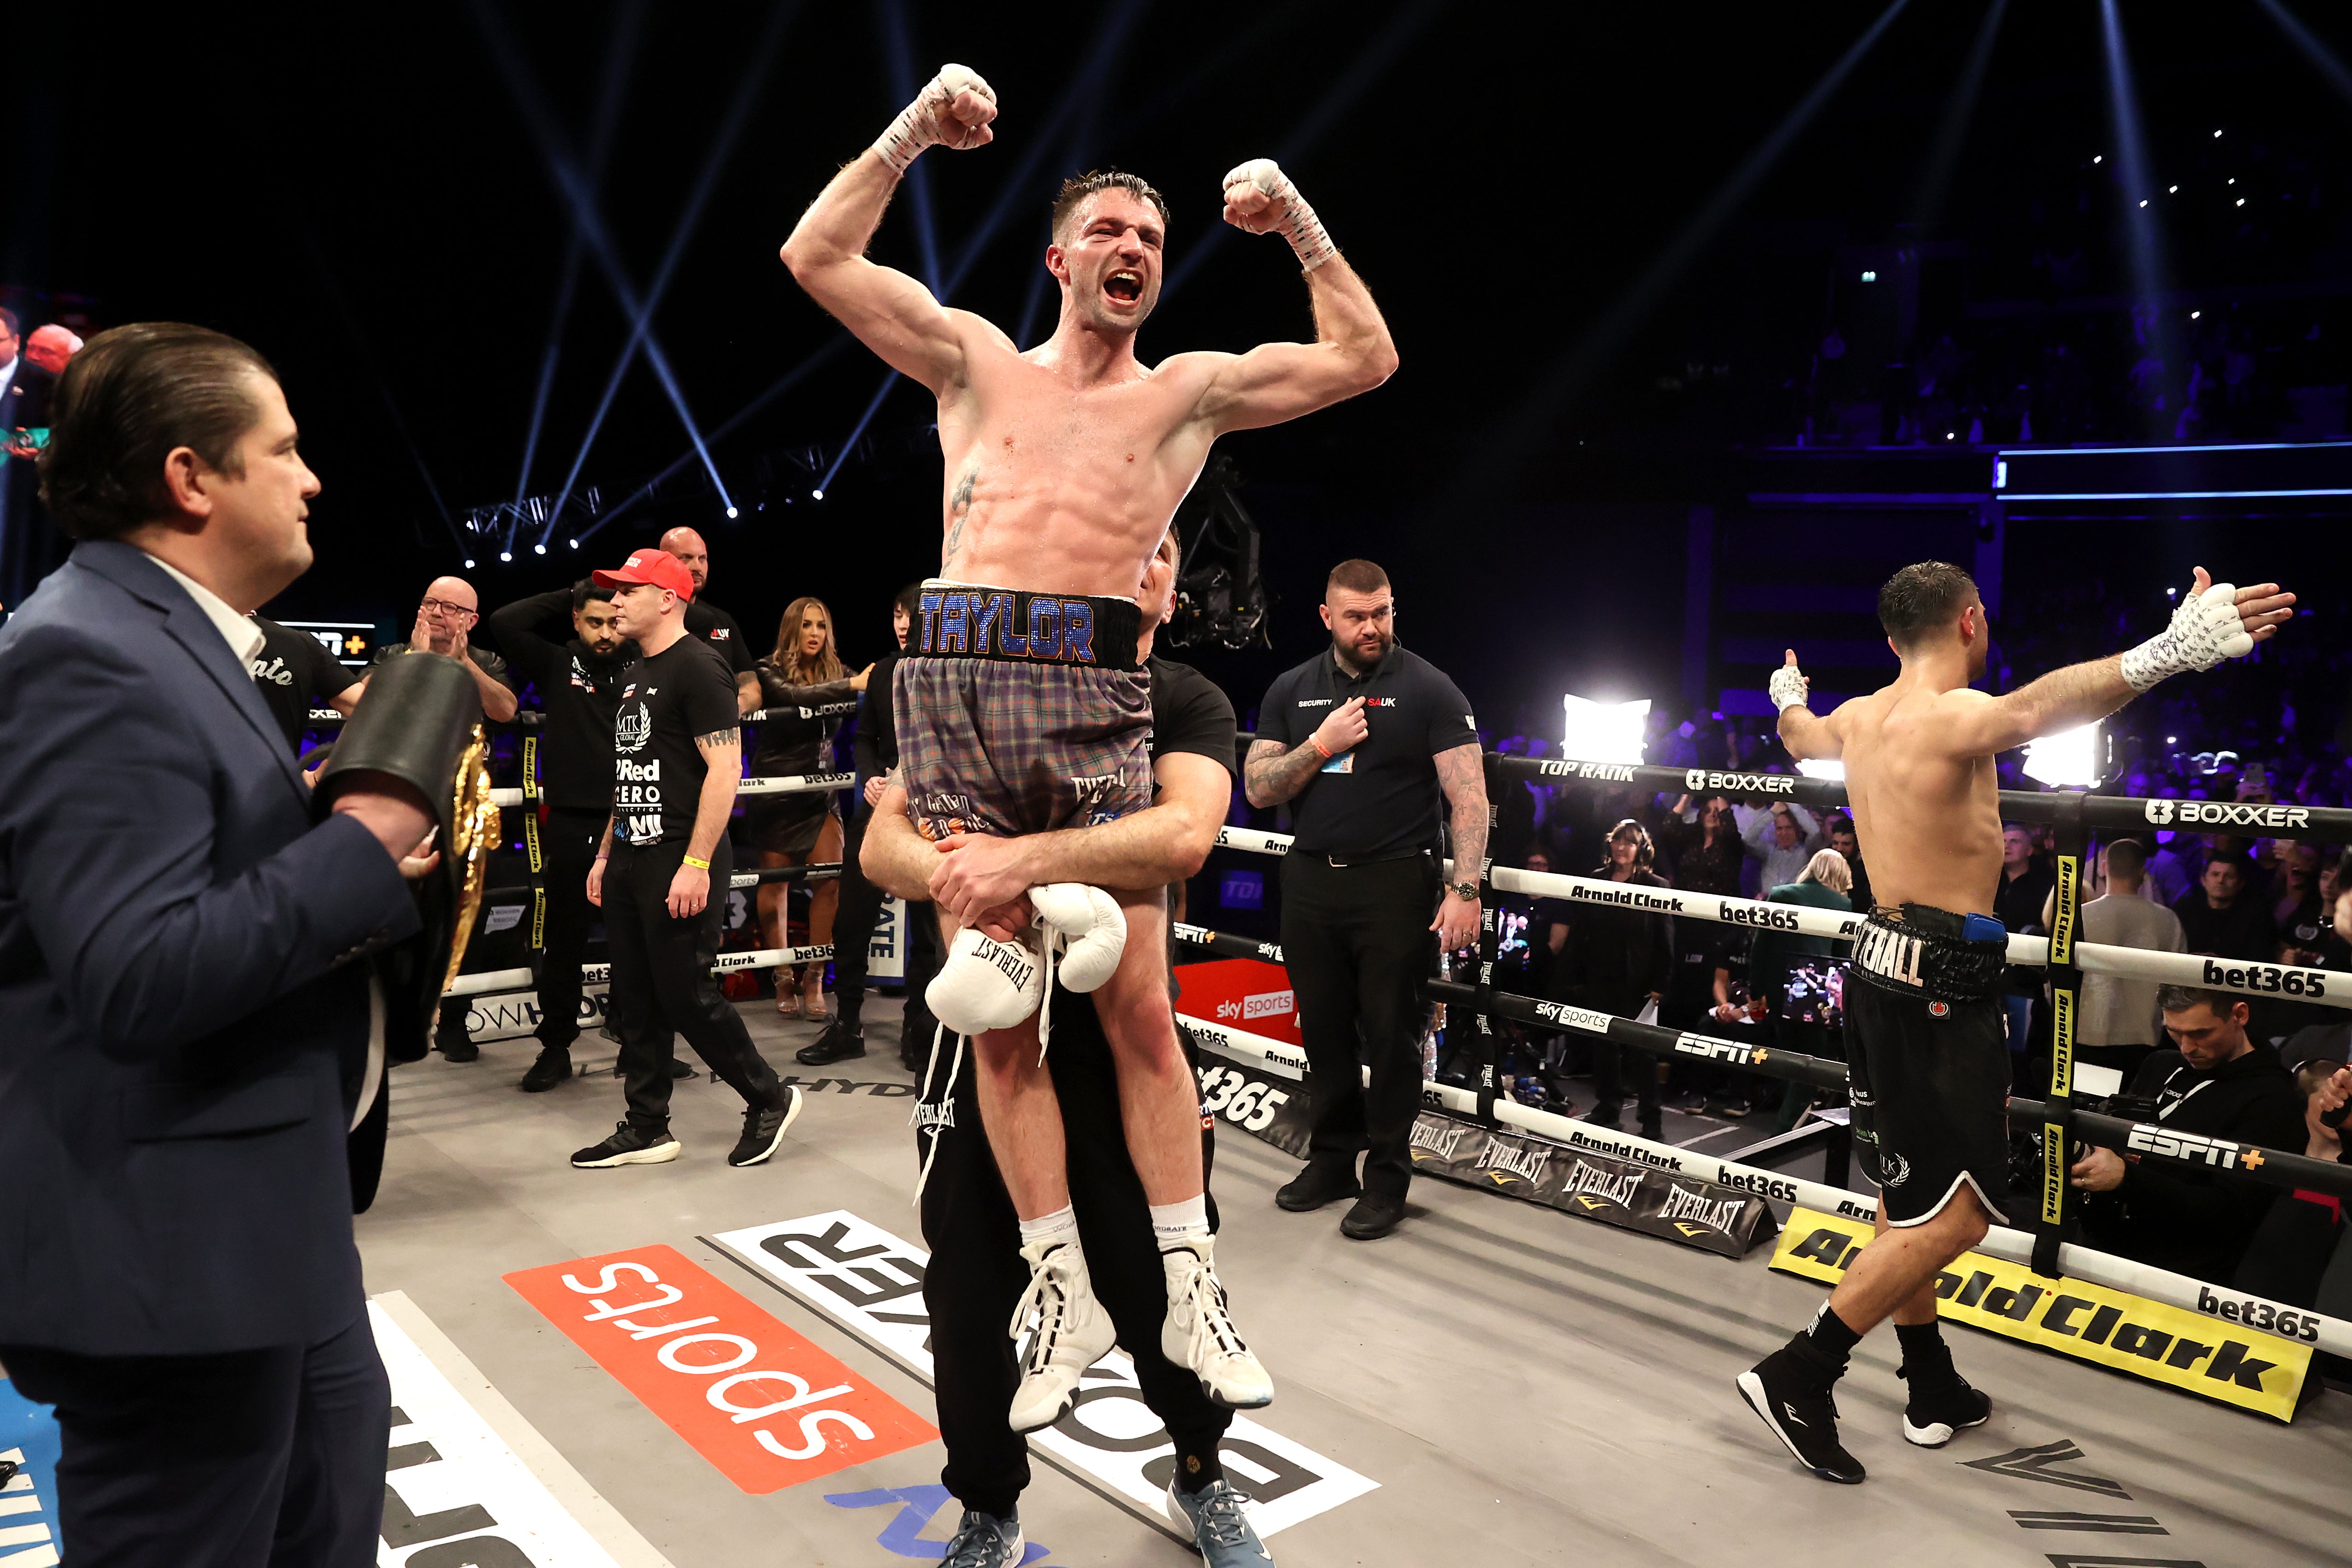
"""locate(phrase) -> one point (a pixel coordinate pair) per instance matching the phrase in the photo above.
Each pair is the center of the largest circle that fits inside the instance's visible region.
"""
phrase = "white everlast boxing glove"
(2206, 629)
(985, 984)
(1092, 929)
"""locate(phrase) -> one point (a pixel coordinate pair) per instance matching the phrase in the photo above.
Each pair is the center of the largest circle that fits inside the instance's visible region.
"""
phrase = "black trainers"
(1790, 1390)
(1654, 1128)
(1317, 1185)
(1941, 1406)
(839, 1042)
(1609, 1116)
(455, 1045)
(627, 1146)
(763, 1129)
(553, 1067)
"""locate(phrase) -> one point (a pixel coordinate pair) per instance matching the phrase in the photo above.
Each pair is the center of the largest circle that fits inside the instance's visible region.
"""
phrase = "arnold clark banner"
(2201, 1355)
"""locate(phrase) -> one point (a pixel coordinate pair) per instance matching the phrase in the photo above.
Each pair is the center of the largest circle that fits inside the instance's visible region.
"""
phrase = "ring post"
(2065, 1010)
(1490, 1055)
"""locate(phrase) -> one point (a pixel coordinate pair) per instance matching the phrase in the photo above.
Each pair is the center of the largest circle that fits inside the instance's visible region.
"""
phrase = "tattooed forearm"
(720, 738)
(1462, 774)
(1271, 775)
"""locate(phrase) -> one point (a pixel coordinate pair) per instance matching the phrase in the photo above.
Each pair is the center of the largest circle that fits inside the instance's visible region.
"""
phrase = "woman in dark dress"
(803, 672)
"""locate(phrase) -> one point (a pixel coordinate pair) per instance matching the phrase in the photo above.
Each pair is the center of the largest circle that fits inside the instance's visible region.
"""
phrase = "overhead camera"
(1220, 595)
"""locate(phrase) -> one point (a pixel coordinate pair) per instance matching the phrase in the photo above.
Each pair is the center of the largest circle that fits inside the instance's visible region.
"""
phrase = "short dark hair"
(588, 588)
(1644, 851)
(909, 599)
(125, 402)
(2127, 857)
(8, 319)
(1356, 577)
(2180, 998)
(1922, 597)
(1839, 822)
(1078, 188)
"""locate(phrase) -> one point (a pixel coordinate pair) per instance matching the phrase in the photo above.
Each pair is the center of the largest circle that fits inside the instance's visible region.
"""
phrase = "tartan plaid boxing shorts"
(1021, 712)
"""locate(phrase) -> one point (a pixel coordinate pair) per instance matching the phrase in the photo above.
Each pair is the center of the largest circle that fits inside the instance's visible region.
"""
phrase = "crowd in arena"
(2265, 1072)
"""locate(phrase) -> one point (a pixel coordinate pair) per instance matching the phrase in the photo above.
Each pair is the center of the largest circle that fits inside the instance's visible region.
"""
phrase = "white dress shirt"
(243, 638)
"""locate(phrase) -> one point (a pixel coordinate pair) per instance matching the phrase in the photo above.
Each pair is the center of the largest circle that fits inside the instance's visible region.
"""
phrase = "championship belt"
(421, 722)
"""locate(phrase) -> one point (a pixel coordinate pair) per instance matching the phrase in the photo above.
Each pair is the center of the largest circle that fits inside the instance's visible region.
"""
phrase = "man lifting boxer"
(1927, 1062)
(1021, 704)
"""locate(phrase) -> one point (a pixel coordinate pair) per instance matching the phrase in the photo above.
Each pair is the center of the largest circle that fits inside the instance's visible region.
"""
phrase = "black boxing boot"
(1792, 1389)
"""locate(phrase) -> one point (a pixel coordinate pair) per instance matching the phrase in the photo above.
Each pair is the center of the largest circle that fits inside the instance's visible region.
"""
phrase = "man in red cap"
(677, 755)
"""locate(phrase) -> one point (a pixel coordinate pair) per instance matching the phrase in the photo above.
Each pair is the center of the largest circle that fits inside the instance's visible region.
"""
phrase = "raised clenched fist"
(952, 111)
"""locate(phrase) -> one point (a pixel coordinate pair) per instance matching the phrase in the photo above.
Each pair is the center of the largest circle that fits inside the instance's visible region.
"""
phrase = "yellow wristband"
(698, 865)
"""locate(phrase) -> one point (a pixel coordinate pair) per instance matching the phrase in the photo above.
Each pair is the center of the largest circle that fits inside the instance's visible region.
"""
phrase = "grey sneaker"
(984, 1540)
(1220, 1528)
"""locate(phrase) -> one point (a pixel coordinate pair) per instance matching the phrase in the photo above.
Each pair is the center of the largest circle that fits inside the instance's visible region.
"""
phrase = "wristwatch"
(1466, 891)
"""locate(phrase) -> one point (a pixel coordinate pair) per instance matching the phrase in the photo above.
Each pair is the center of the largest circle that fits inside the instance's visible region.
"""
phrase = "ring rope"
(2272, 1167)
(2109, 814)
(2074, 1261)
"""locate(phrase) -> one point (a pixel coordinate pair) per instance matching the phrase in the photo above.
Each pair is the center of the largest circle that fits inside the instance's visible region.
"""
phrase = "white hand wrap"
(985, 984)
(1787, 688)
(1299, 224)
(1090, 924)
(2206, 629)
(921, 123)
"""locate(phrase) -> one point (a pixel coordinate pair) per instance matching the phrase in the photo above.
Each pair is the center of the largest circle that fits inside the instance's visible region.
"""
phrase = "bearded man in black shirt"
(579, 683)
(678, 758)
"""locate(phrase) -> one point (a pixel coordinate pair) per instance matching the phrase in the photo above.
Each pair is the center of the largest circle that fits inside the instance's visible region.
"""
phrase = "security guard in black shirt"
(1362, 739)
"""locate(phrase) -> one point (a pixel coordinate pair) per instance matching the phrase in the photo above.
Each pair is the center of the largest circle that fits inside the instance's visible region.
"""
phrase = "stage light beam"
(2321, 57)
(620, 53)
(1959, 109)
(689, 218)
(1497, 458)
(546, 130)
(2143, 249)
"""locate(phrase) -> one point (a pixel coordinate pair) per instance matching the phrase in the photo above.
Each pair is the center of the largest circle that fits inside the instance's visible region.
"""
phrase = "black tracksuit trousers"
(567, 847)
(663, 986)
(976, 1273)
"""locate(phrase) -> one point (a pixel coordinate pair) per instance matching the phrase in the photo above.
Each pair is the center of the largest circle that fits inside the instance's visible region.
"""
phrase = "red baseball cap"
(657, 567)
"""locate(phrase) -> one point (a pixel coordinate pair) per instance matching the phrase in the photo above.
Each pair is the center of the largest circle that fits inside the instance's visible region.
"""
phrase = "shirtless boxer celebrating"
(1022, 705)
(1928, 1065)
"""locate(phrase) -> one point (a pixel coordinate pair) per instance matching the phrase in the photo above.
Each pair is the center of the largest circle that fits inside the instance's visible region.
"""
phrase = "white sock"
(1173, 1224)
(1062, 1224)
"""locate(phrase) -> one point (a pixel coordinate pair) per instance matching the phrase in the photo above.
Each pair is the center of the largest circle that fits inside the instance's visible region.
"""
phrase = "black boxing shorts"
(1927, 1062)
(1022, 712)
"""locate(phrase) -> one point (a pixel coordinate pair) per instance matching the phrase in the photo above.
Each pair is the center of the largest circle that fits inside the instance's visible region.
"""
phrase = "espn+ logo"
(2227, 813)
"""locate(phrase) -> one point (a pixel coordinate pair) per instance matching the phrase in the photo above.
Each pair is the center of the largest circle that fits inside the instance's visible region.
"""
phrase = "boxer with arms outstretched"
(1927, 1063)
(1022, 706)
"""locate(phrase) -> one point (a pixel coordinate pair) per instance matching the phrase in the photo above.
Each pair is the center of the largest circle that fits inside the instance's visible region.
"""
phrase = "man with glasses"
(445, 622)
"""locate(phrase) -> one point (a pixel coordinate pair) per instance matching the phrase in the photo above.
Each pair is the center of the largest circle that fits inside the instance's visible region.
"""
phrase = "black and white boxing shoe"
(1790, 1389)
(764, 1127)
(628, 1145)
(1942, 1405)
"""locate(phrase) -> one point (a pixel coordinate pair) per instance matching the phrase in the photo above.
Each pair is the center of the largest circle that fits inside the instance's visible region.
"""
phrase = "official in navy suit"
(185, 1010)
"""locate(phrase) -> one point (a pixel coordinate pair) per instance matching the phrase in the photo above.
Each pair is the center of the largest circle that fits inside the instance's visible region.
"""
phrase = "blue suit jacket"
(181, 1020)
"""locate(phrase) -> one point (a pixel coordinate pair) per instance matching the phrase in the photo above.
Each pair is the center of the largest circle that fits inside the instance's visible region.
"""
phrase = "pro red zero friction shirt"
(666, 700)
(1381, 800)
